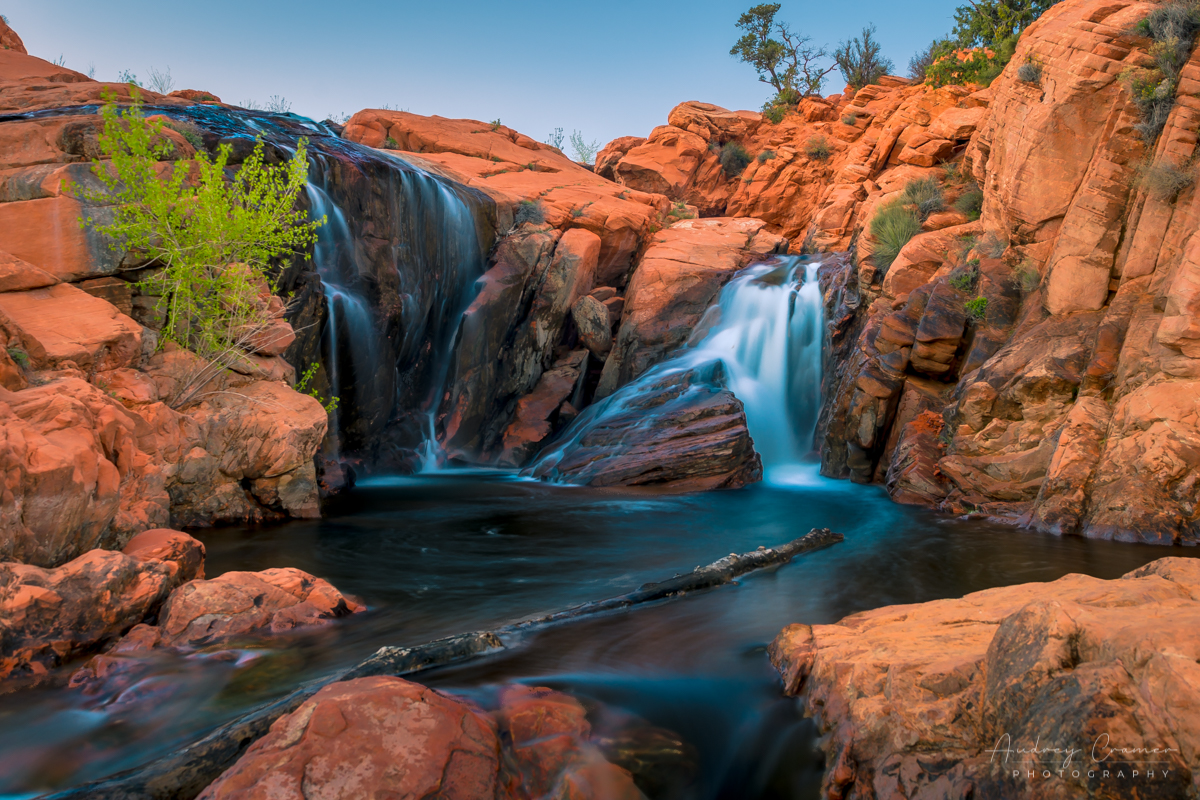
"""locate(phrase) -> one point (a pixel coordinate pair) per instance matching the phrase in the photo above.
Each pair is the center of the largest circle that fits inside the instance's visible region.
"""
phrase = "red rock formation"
(915, 698)
(50, 616)
(93, 446)
(9, 39)
(375, 737)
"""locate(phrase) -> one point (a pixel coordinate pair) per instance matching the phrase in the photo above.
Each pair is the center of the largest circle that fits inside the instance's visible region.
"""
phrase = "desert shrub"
(188, 131)
(495, 124)
(850, 118)
(19, 356)
(390, 144)
(992, 245)
(970, 203)
(278, 105)
(585, 151)
(529, 211)
(979, 66)
(926, 195)
(964, 280)
(160, 82)
(212, 238)
(1164, 180)
(679, 210)
(734, 159)
(977, 308)
(818, 148)
(919, 64)
(773, 113)
(555, 139)
(126, 76)
(861, 59)
(1030, 71)
(1026, 276)
(766, 155)
(892, 227)
(1173, 27)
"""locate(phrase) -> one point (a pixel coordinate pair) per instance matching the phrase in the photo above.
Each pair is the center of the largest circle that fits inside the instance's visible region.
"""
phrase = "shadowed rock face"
(916, 697)
(681, 430)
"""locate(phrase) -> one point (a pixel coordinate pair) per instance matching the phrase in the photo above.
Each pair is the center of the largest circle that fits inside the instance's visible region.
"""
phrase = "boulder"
(614, 151)
(594, 326)
(1036, 690)
(677, 429)
(50, 616)
(61, 323)
(387, 737)
(537, 413)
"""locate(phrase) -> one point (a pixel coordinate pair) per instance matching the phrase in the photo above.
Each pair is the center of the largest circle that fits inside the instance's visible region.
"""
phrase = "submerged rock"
(925, 700)
(679, 429)
(387, 737)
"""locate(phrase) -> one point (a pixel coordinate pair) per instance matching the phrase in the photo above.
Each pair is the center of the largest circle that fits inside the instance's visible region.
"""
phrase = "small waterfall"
(350, 340)
(769, 334)
(767, 330)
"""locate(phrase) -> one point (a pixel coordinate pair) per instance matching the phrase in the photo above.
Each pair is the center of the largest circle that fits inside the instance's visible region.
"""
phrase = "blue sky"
(607, 69)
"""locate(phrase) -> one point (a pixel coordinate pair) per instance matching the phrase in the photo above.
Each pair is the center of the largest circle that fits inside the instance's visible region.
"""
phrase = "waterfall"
(769, 333)
(350, 340)
(767, 330)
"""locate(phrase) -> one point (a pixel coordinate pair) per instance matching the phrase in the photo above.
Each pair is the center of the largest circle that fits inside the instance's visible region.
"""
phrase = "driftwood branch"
(186, 773)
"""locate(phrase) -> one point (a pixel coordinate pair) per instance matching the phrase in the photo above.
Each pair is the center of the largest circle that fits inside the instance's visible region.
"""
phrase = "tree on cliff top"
(211, 240)
(789, 63)
(989, 23)
(861, 61)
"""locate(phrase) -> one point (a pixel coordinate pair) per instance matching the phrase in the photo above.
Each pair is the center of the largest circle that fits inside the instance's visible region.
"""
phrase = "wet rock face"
(1072, 665)
(375, 737)
(681, 430)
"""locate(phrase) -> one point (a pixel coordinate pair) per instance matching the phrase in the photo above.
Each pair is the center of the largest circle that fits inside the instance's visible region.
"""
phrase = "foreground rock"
(679, 429)
(385, 737)
(51, 616)
(947, 698)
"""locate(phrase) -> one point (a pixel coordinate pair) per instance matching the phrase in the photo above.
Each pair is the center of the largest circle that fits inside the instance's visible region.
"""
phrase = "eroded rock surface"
(376, 737)
(1094, 673)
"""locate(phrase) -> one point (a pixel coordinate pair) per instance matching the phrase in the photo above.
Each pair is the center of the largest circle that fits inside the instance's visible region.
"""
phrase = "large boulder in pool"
(938, 699)
(679, 429)
(386, 737)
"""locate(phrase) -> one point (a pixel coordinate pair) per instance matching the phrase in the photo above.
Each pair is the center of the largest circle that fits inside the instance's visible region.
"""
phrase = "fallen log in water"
(186, 773)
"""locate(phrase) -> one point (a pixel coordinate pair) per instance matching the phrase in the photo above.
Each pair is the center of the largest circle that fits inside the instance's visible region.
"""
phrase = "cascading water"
(348, 318)
(767, 331)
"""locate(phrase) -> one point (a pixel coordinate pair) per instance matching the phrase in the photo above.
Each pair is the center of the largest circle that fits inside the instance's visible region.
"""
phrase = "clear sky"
(607, 69)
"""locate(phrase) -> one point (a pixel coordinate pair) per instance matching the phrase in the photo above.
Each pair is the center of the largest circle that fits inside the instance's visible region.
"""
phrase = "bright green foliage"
(734, 159)
(861, 59)
(981, 67)
(782, 58)
(303, 385)
(893, 225)
(390, 144)
(20, 356)
(774, 111)
(977, 308)
(212, 239)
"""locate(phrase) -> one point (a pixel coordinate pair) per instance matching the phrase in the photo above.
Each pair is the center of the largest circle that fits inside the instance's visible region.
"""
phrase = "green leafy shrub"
(926, 195)
(19, 356)
(734, 159)
(303, 385)
(390, 144)
(970, 203)
(766, 155)
(979, 66)
(818, 148)
(212, 239)
(977, 308)
(495, 124)
(529, 211)
(774, 112)
(850, 118)
(892, 227)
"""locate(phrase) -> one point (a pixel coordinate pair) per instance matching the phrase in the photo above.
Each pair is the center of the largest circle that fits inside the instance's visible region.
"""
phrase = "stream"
(450, 552)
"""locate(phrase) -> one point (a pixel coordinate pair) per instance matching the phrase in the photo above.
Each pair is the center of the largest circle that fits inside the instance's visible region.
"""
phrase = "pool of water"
(446, 553)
